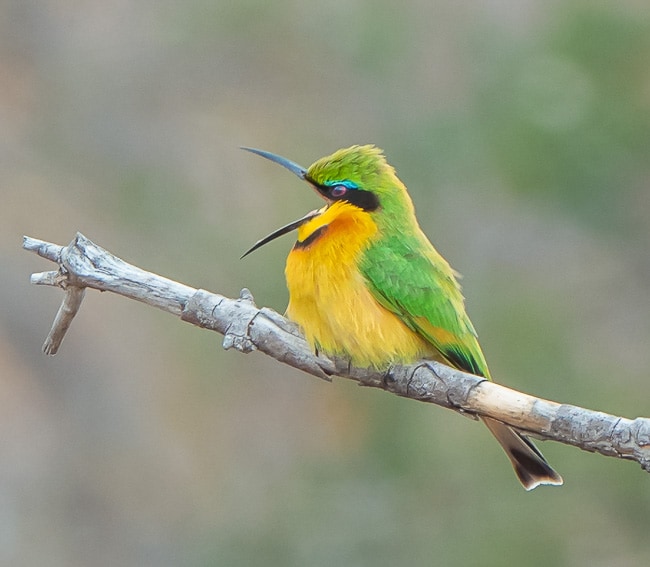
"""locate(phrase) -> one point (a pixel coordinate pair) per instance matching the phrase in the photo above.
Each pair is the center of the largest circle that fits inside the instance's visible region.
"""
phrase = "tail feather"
(529, 464)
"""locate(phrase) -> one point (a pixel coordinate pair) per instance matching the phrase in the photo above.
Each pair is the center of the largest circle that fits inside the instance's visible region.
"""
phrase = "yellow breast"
(330, 300)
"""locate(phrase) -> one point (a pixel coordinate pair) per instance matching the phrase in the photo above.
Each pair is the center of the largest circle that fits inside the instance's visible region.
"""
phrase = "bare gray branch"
(246, 327)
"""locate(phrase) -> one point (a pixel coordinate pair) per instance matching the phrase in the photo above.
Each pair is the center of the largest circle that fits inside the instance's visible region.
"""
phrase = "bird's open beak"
(281, 231)
(300, 172)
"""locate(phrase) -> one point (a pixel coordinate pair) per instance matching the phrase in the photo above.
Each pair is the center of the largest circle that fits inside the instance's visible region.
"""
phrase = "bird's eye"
(338, 191)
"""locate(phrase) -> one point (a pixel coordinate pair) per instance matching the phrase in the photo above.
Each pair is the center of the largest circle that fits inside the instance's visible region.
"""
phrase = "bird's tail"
(529, 464)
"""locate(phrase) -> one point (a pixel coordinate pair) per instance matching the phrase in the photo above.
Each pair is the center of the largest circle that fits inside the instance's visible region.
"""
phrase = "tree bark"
(82, 264)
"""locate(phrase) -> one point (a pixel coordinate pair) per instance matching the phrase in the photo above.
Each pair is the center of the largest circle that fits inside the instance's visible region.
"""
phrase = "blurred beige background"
(522, 131)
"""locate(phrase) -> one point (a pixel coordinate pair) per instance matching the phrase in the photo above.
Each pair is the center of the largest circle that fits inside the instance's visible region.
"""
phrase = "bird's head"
(358, 175)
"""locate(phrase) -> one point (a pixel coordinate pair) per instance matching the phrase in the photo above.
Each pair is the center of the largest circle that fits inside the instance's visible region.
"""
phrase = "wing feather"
(409, 278)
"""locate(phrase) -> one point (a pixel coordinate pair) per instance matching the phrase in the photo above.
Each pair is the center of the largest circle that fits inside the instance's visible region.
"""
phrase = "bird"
(365, 283)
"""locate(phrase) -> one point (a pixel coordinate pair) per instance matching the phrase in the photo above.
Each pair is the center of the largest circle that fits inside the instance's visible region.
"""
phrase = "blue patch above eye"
(346, 183)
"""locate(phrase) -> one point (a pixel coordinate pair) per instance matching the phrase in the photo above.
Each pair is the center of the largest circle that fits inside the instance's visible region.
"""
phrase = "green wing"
(409, 278)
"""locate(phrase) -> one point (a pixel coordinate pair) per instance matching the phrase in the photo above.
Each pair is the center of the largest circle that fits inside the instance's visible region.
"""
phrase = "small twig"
(247, 328)
(73, 294)
(69, 307)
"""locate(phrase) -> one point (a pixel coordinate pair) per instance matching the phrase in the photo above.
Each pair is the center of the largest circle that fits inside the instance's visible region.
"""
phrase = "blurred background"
(522, 129)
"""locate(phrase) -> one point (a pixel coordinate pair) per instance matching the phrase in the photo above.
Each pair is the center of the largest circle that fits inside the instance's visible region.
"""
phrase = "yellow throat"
(330, 300)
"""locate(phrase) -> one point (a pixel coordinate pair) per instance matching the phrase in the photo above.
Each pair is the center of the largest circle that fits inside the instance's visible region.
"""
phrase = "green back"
(403, 270)
(408, 277)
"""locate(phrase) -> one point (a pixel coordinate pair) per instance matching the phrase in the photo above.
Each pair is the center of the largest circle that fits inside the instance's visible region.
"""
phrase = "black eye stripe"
(361, 198)
(365, 200)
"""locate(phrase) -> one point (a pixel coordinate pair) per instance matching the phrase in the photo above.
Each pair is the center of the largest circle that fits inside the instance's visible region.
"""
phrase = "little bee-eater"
(365, 283)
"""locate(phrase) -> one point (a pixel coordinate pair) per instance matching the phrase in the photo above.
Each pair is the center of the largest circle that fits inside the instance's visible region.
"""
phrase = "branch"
(83, 264)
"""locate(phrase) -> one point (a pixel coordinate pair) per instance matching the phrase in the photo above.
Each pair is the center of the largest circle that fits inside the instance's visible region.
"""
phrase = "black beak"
(284, 162)
(281, 231)
(297, 170)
